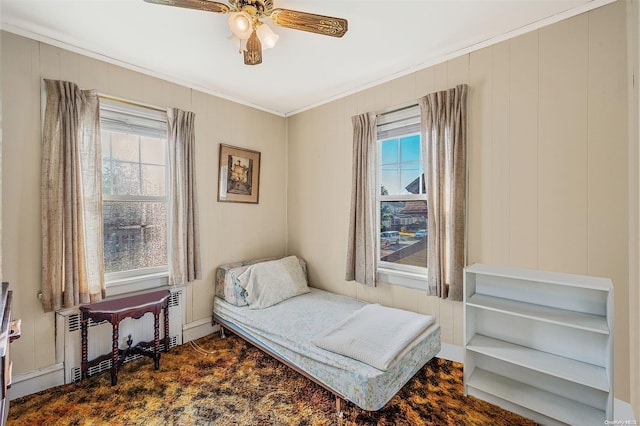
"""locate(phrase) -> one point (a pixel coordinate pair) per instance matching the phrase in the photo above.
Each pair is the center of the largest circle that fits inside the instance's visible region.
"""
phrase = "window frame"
(121, 282)
(410, 276)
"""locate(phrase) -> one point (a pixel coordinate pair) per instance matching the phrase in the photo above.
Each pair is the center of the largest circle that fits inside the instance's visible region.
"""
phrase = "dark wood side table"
(115, 311)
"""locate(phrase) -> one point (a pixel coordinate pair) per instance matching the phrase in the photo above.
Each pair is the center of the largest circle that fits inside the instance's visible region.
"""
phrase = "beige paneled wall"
(547, 165)
(563, 146)
(633, 67)
(523, 161)
(230, 232)
(608, 173)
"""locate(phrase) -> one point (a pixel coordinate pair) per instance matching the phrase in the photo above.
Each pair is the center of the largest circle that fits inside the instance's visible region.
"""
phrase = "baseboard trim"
(197, 329)
(36, 381)
(451, 352)
(623, 413)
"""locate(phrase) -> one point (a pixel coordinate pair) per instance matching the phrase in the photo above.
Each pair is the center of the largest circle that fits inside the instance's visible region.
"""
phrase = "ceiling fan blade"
(319, 24)
(206, 5)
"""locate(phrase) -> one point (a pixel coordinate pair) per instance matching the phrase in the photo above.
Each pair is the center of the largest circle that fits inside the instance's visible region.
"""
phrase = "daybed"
(291, 329)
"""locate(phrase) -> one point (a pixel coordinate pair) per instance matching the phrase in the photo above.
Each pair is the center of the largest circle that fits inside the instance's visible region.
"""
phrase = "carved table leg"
(166, 328)
(115, 354)
(84, 366)
(156, 340)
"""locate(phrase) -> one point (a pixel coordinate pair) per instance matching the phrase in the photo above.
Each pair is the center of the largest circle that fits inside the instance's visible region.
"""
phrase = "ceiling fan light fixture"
(245, 22)
(253, 53)
(240, 24)
(267, 37)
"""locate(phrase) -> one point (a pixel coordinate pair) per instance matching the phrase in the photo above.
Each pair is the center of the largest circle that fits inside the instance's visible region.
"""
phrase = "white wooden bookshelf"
(540, 343)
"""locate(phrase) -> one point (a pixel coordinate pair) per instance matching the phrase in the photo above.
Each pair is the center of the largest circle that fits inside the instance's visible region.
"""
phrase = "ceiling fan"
(245, 22)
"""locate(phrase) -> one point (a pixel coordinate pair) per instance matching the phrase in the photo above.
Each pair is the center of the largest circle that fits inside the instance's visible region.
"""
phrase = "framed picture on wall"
(238, 175)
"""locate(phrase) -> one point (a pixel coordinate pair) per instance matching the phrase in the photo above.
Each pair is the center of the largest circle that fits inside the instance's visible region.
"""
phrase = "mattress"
(288, 328)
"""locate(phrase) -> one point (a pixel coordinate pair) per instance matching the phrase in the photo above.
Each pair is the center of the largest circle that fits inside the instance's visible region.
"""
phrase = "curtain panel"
(444, 130)
(71, 198)
(184, 229)
(361, 245)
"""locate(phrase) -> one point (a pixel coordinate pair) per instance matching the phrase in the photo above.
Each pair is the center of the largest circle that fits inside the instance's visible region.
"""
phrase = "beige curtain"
(444, 129)
(71, 198)
(184, 234)
(361, 250)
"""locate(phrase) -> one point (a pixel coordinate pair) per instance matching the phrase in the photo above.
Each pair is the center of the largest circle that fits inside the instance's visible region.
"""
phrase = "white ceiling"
(386, 39)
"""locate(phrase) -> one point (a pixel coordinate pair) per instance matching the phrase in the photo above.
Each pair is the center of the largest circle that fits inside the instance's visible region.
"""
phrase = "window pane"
(135, 235)
(401, 166)
(153, 181)
(152, 150)
(403, 232)
(126, 178)
(106, 177)
(410, 178)
(410, 149)
(124, 147)
(401, 180)
(105, 138)
(389, 180)
(389, 151)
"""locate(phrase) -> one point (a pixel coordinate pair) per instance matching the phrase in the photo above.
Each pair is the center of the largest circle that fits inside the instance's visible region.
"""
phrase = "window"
(402, 199)
(134, 190)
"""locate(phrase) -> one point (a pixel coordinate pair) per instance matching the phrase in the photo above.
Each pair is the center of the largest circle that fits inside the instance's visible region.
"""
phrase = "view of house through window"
(403, 205)
(134, 176)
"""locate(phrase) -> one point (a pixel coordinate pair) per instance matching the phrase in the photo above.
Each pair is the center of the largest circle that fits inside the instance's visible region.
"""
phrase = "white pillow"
(268, 283)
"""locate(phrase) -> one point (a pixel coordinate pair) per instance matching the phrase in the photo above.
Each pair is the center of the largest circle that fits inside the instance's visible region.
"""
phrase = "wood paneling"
(562, 147)
(403, 89)
(607, 171)
(424, 82)
(458, 71)
(19, 127)
(479, 157)
(633, 40)
(546, 164)
(261, 233)
(523, 152)
(500, 151)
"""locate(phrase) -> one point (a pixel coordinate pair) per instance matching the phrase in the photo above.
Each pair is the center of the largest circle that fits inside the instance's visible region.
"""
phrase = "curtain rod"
(397, 108)
(109, 98)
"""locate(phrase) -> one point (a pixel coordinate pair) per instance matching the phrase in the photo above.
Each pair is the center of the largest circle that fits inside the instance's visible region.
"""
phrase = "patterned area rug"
(229, 382)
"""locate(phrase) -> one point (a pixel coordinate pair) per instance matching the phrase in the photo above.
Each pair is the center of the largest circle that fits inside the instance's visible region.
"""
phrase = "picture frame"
(238, 175)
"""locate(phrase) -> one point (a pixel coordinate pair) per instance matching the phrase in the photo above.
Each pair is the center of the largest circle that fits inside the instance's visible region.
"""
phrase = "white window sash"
(395, 123)
(121, 116)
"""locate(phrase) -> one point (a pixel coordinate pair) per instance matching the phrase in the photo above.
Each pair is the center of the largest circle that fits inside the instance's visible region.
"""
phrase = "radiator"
(69, 346)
